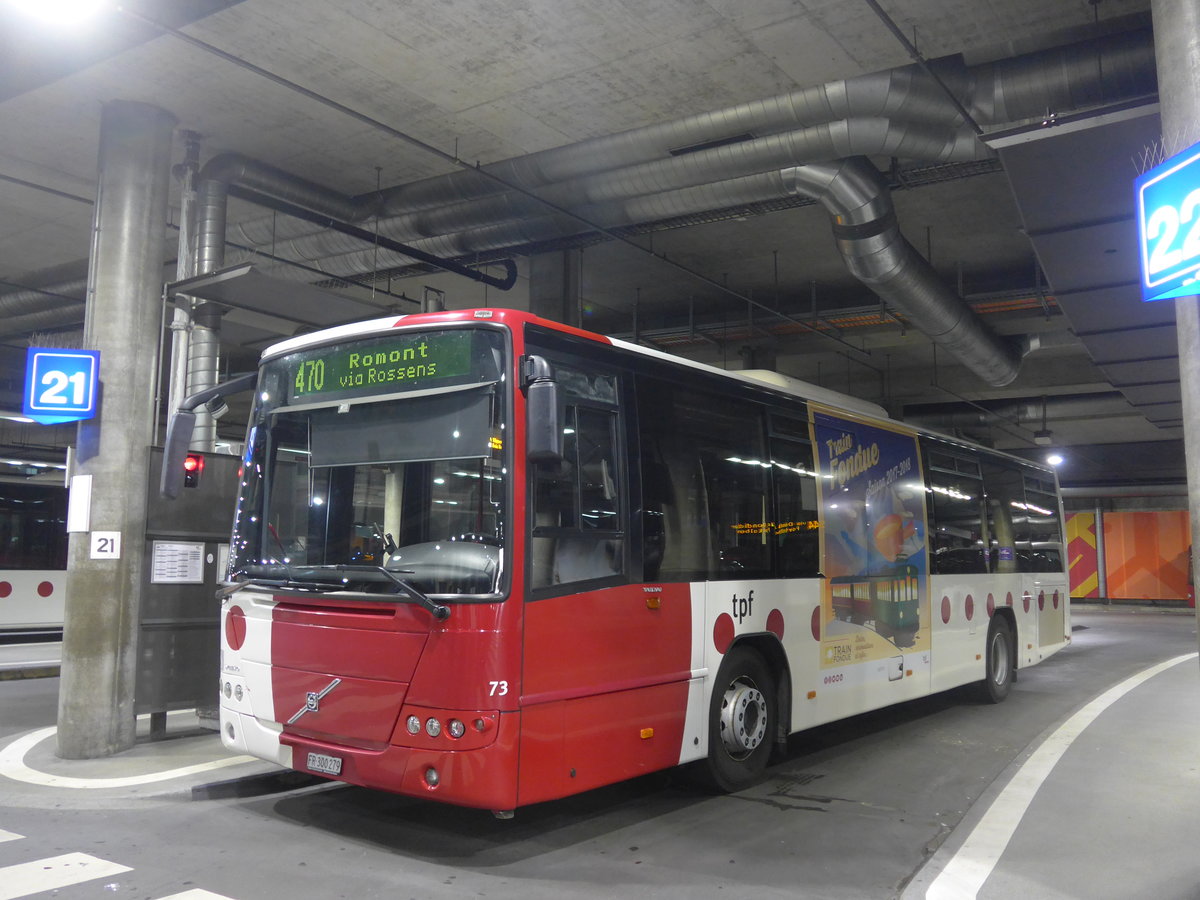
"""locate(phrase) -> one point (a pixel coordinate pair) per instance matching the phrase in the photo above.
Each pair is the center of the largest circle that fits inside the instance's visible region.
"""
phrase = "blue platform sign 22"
(1168, 213)
(60, 385)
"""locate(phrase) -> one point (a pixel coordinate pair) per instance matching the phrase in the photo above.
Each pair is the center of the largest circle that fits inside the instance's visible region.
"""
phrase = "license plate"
(326, 765)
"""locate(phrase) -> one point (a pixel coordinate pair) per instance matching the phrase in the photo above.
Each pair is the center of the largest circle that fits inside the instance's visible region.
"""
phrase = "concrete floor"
(1083, 784)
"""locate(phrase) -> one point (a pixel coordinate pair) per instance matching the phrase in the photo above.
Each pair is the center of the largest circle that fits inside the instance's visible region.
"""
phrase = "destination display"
(406, 362)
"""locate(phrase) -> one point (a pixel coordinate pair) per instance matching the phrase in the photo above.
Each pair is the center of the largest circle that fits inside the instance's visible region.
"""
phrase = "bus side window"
(1042, 531)
(1006, 515)
(958, 525)
(710, 518)
(676, 544)
(797, 539)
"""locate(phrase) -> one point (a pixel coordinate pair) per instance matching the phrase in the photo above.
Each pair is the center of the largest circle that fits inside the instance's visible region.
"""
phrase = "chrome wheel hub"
(743, 719)
(999, 659)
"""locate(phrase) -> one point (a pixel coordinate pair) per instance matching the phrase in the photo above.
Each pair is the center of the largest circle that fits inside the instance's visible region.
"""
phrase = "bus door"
(606, 661)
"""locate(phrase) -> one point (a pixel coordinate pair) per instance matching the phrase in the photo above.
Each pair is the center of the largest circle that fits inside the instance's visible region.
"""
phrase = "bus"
(487, 559)
(33, 559)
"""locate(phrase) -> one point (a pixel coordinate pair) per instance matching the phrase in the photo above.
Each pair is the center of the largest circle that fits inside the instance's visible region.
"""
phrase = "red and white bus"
(488, 559)
(33, 557)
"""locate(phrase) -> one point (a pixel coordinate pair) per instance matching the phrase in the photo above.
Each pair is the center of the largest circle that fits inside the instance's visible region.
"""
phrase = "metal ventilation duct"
(878, 255)
(641, 175)
(1029, 411)
(899, 112)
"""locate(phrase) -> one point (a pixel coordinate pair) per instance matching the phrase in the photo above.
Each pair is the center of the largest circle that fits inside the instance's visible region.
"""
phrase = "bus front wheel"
(741, 721)
(999, 662)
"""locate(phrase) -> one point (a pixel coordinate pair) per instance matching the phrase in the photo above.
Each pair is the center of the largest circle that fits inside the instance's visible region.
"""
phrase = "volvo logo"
(312, 701)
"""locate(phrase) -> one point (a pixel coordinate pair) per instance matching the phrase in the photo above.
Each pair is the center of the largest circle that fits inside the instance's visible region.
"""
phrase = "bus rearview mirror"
(175, 448)
(543, 433)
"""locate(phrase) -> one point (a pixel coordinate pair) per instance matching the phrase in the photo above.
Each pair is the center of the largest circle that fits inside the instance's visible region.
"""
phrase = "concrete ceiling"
(1036, 234)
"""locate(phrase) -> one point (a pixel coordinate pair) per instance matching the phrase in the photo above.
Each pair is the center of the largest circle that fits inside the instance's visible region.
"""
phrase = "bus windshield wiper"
(331, 578)
(439, 611)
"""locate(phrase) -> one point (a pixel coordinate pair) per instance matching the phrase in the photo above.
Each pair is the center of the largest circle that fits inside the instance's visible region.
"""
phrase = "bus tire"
(741, 721)
(999, 662)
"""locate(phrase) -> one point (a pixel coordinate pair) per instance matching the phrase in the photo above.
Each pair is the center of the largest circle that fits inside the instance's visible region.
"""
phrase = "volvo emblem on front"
(312, 701)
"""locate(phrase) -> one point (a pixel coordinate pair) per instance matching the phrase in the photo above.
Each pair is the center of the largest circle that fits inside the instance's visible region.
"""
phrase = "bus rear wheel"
(999, 662)
(741, 721)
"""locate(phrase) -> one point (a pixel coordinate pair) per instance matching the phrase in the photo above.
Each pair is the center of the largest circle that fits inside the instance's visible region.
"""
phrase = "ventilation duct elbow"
(875, 252)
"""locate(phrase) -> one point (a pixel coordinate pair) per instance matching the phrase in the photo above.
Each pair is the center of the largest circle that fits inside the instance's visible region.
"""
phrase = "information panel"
(60, 385)
(1168, 217)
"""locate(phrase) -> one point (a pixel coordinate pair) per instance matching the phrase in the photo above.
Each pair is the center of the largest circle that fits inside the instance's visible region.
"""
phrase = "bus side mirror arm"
(543, 433)
(181, 425)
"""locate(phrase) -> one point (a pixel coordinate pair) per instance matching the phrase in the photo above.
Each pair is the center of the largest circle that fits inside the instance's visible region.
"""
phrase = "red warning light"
(193, 465)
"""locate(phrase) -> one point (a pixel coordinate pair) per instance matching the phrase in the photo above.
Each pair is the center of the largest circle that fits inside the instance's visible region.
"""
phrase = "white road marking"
(12, 765)
(197, 894)
(974, 861)
(9, 836)
(53, 873)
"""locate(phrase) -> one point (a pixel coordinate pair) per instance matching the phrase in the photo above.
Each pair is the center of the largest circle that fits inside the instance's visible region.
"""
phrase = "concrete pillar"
(554, 286)
(123, 316)
(1177, 52)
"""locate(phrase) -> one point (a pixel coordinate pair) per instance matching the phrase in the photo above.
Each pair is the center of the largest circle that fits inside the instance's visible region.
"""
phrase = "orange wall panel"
(1146, 555)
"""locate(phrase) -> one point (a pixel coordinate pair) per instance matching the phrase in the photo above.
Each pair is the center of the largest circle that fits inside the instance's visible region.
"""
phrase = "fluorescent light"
(60, 12)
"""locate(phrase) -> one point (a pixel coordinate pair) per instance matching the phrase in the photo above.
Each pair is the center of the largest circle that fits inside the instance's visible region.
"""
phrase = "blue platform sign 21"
(60, 385)
(1168, 213)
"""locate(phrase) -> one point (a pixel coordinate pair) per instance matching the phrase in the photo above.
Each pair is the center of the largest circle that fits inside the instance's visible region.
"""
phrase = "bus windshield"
(388, 453)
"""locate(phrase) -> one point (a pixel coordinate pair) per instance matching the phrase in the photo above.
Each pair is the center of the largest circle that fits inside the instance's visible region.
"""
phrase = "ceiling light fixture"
(1043, 437)
(60, 12)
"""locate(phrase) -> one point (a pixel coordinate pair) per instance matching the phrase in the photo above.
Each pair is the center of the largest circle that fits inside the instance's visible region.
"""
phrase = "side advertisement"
(875, 604)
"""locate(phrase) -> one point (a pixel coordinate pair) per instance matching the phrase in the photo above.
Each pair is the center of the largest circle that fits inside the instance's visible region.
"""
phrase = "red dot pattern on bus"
(1041, 600)
(946, 610)
(991, 606)
(816, 624)
(1025, 598)
(970, 607)
(723, 632)
(44, 589)
(235, 628)
(775, 623)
